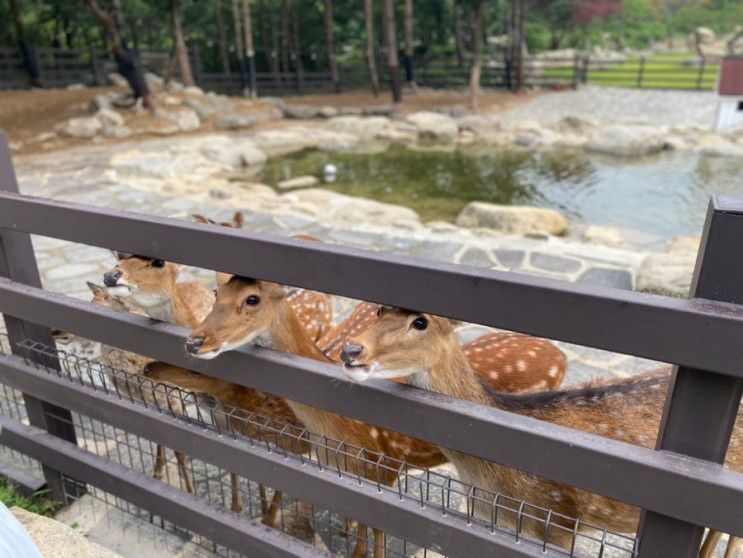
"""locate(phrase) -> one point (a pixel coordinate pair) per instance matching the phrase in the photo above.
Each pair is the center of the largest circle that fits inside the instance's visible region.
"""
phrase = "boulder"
(203, 107)
(237, 121)
(117, 132)
(123, 100)
(101, 101)
(379, 110)
(193, 91)
(328, 112)
(117, 80)
(300, 112)
(81, 127)
(298, 182)
(512, 219)
(336, 141)
(56, 540)
(365, 128)
(233, 152)
(186, 119)
(440, 127)
(282, 141)
(667, 273)
(626, 141)
(109, 117)
(154, 82)
(605, 236)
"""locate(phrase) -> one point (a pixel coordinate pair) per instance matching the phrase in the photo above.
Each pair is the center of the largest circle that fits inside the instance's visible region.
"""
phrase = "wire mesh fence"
(429, 488)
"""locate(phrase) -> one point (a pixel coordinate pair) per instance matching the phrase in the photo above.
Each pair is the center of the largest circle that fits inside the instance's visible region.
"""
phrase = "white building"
(730, 92)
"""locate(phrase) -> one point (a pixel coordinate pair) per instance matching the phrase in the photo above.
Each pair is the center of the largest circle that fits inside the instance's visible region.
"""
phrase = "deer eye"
(158, 263)
(253, 300)
(420, 323)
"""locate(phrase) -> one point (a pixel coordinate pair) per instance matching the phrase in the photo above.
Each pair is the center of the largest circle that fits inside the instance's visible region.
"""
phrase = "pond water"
(661, 197)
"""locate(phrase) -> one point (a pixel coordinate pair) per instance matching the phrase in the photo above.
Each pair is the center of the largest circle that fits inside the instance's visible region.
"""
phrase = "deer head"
(143, 282)
(243, 312)
(400, 343)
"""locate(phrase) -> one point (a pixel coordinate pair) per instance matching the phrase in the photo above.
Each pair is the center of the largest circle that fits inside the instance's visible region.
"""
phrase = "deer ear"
(95, 289)
(237, 220)
(273, 290)
(222, 278)
(452, 323)
(199, 218)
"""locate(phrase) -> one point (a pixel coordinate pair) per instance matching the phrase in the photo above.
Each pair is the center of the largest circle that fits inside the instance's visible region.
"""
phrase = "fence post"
(17, 262)
(94, 66)
(700, 74)
(701, 407)
(586, 66)
(641, 72)
(197, 64)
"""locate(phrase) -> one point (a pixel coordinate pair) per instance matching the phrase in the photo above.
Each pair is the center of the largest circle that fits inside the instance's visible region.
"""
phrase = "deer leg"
(710, 543)
(159, 470)
(273, 509)
(185, 473)
(379, 548)
(733, 545)
(360, 549)
(237, 498)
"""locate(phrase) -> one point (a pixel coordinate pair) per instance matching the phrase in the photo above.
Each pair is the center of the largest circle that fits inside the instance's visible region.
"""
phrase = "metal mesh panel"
(427, 487)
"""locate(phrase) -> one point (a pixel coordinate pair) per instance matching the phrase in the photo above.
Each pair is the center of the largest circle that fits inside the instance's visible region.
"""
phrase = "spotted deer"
(425, 349)
(150, 285)
(510, 362)
(259, 312)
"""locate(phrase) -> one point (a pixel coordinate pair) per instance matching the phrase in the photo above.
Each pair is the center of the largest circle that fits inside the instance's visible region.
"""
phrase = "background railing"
(680, 485)
(61, 67)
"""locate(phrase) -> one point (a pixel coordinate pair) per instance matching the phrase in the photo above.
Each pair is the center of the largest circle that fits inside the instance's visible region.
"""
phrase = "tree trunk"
(274, 58)
(390, 33)
(476, 70)
(29, 58)
(458, 33)
(370, 59)
(179, 44)
(239, 45)
(126, 61)
(224, 55)
(284, 19)
(296, 46)
(249, 48)
(330, 45)
(408, 23)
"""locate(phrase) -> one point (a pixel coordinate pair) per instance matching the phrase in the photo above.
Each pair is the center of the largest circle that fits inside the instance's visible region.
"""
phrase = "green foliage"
(37, 503)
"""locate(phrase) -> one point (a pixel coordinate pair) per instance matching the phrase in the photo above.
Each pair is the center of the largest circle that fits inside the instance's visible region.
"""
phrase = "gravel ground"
(607, 104)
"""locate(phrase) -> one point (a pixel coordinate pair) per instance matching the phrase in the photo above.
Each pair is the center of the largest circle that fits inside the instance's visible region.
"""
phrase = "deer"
(259, 312)
(424, 349)
(506, 361)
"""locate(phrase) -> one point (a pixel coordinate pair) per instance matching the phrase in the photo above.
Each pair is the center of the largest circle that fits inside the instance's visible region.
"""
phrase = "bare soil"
(26, 116)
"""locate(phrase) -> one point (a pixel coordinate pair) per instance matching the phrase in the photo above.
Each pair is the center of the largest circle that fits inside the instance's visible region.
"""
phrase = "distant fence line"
(90, 66)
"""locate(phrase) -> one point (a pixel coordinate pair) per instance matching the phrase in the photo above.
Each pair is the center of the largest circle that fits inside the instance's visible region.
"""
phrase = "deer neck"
(172, 308)
(288, 335)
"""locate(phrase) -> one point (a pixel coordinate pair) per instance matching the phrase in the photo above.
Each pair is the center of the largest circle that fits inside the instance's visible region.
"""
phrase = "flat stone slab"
(607, 277)
(549, 262)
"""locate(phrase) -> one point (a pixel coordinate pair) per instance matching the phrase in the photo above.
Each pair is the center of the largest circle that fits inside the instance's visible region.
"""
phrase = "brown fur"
(509, 362)
(626, 410)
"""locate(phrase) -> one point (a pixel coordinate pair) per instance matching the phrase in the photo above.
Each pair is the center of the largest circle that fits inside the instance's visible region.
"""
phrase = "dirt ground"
(27, 116)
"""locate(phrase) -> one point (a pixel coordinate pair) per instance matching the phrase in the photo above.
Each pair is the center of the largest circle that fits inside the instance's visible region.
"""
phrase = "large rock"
(233, 152)
(512, 219)
(440, 127)
(209, 105)
(336, 141)
(238, 121)
(117, 80)
(301, 112)
(109, 117)
(365, 128)
(626, 141)
(185, 119)
(56, 540)
(117, 132)
(154, 82)
(85, 127)
(282, 141)
(666, 273)
(101, 101)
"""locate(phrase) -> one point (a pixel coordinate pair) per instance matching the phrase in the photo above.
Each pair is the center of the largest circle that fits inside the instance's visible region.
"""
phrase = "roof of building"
(731, 76)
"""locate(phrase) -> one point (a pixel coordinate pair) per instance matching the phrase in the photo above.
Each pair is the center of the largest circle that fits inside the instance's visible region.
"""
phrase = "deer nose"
(111, 278)
(193, 344)
(351, 352)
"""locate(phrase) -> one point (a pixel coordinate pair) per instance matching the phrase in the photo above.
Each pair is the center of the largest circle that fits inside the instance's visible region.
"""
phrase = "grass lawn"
(662, 71)
(37, 503)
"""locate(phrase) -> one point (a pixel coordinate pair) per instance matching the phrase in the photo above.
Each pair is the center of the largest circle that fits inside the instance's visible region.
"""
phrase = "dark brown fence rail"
(681, 485)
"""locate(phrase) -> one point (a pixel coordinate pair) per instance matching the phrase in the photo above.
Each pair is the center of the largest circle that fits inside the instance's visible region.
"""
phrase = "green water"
(663, 196)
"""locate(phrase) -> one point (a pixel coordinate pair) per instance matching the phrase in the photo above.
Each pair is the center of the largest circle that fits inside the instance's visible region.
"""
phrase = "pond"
(661, 197)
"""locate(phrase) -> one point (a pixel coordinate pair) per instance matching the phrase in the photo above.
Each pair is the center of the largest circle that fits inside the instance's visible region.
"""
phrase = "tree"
(239, 44)
(29, 59)
(127, 61)
(393, 63)
(179, 44)
(249, 48)
(476, 69)
(222, 38)
(371, 62)
(296, 45)
(408, 23)
(330, 45)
